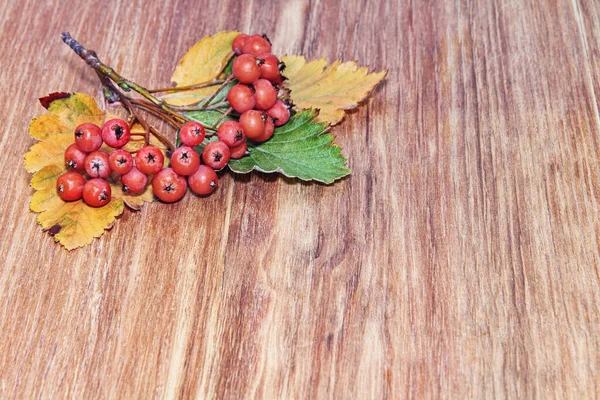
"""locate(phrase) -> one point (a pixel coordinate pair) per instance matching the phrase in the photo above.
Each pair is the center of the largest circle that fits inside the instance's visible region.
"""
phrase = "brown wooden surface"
(459, 260)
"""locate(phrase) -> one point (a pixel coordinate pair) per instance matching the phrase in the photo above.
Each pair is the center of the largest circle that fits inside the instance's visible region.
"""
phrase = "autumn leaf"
(331, 89)
(202, 63)
(74, 224)
(299, 149)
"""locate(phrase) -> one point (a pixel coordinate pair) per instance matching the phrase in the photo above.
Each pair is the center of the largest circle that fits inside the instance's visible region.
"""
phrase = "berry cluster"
(85, 156)
(254, 98)
(169, 184)
(258, 72)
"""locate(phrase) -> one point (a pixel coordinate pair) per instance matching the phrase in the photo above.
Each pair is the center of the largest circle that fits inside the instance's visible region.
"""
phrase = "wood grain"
(460, 260)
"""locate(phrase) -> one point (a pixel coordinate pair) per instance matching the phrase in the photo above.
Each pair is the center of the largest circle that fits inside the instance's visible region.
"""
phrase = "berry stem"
(222, 117)
(93, 61)
(225, 82)
(187, 87)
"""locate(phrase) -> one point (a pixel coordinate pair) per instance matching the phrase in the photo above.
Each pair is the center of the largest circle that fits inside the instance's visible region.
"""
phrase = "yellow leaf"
(73, 224)
(332, 89)
(202, 63)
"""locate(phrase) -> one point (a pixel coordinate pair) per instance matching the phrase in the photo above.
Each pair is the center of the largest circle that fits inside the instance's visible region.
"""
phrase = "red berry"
(70, 186)
(231, 133)
(269, 67)
(239, 151)
(253, 123)
(265, 94)
(134, 181)
(168, 186)
(120, 161)
(97, 164)
(280, 112)
(269, 129)
(241, 98)
(75, 158)
(245, 69)
(192, 133)
(216, 154)
(185, 160)
(238, 43)
(149, 160)
(88, 137)
(96, 192)
(204, 181)
(256, 45)
(115, 133)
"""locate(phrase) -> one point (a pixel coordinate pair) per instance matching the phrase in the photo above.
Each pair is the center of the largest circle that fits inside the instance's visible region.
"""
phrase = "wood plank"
(461, 258)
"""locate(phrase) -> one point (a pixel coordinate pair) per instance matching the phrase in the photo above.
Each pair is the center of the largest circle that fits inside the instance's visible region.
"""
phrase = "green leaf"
(299, 149)
(208, 118)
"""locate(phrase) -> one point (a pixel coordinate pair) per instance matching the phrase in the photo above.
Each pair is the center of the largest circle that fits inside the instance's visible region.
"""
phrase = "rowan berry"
(185, 160)
(231, 133)
(169, 186)
(280, 112)
(239, 151)
(88, 137)
(256, 45)
(216, 155)
(241, 98)
(204, 181)
(75, 158)
(120, 161)
(134, 181)
(238, 43)
(265, 94)
(115, 133)
(246, 69)
(149, 160)
(192, 133)
(96, 192)
(69, 186)
(97, 164)
(253, 123)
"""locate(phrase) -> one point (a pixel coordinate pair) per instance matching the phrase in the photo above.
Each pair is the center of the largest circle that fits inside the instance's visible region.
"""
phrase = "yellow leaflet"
(332, 89)
(74, 223)
(202, 63)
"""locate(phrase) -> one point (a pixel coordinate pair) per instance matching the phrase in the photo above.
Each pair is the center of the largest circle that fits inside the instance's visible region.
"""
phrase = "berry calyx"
(96, 192)
(192, 133)
(239, 151)
(269, 67)
(216, 154)
(241, 98)
(169, 186)
(265, 94)
(253, 123)
(134, 181)
(69, 186)
(231, 133)
(256, 45)
(246, 69)
(120, 161)
(185, 160)
(115, 133)
(97, 164)
(88, 137)
(204, 181)
(280, 112)
(238, 43)
(75, 158)
(149, 160)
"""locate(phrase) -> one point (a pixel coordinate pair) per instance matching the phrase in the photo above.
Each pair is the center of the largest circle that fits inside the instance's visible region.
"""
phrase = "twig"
(187, 87)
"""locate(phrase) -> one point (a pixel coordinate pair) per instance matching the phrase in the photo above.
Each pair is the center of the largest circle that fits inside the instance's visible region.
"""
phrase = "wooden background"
(461, 258)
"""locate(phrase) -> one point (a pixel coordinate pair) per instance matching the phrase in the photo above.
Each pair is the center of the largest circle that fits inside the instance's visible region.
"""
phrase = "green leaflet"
(299, 149)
